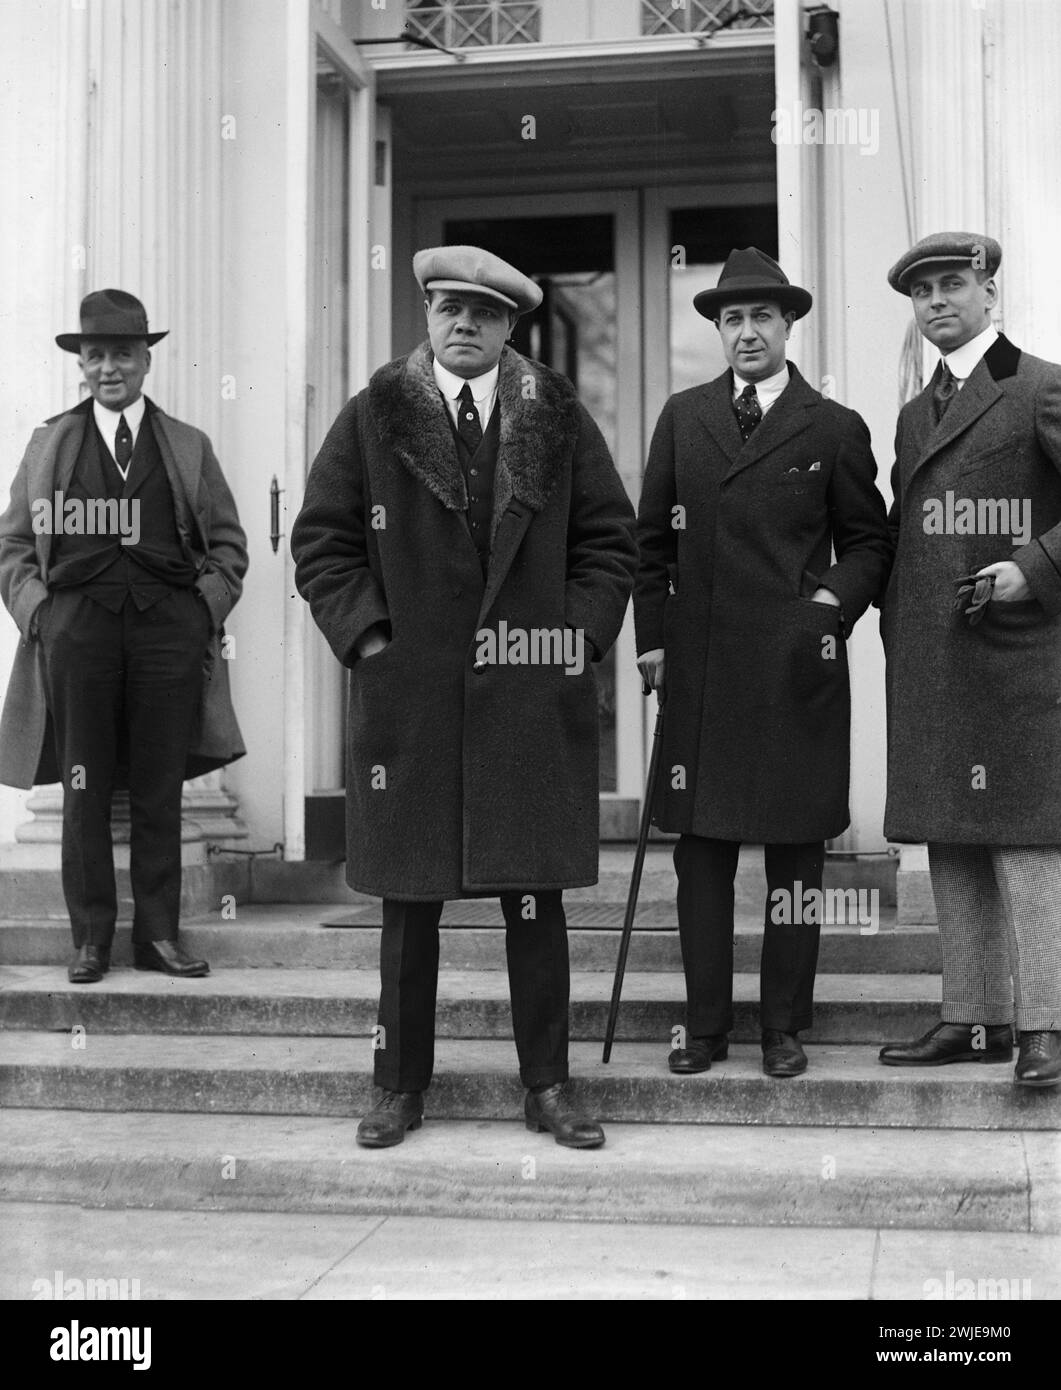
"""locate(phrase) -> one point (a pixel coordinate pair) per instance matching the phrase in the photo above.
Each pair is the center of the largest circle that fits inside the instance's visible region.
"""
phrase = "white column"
(137, 201)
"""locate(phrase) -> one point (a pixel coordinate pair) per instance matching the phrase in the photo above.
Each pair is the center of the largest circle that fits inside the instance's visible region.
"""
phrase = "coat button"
(479, 667)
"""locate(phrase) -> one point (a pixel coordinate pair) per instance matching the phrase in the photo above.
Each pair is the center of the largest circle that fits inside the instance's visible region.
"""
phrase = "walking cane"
(635, 881)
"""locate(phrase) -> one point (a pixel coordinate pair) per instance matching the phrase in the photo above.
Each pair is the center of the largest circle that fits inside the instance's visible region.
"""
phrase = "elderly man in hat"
(742, 616)
(120, 556)
(466, 546)
(972, 627)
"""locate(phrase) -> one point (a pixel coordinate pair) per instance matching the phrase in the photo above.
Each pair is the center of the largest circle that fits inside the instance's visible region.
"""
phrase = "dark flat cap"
(471, 268)
(959, 248)
(110, 314)
(752, 274)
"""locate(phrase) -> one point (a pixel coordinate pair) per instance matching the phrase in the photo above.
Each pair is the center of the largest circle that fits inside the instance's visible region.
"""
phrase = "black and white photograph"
(530, 755)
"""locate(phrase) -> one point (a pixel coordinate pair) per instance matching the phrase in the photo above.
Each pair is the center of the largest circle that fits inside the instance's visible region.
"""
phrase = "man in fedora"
(120, 556)
(972, 628)
(741, 617)
(466, 546)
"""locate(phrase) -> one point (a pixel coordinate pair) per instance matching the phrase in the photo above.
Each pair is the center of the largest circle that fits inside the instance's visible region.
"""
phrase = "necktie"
(749, 411)
(123, 445)
(469, 426)
(945, 391)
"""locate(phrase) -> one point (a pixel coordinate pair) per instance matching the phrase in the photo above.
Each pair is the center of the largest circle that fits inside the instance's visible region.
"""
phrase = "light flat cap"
(960, 248)
(473, 269)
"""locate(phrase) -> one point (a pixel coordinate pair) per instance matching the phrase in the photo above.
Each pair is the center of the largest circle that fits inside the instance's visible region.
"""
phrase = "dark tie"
(123, 445)
(749, 411)
(469, 426)
(945, 391)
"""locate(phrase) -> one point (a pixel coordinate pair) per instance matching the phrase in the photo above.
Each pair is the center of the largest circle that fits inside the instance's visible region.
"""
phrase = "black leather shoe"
(170, 958)
(89, 965)
(699, 1055)
(386, 1123)
(782, 1054)
(1039, 1062)
(550, 1110)
(952, 1042)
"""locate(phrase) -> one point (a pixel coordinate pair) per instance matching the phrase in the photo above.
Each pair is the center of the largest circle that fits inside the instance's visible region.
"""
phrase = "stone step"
(718, 1175)
(477, 1080)
(471, 1004)
(316, 936)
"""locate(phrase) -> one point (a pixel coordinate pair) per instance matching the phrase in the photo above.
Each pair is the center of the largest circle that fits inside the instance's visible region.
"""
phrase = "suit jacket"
(208, 525)
(974, 712)
(735, 538)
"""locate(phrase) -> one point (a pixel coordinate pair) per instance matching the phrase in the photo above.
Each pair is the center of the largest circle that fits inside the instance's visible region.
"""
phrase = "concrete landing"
(844, 1086)
(710, 1176)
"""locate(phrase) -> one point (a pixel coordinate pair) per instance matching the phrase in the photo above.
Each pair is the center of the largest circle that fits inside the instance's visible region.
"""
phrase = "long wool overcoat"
(974, 711)
(734, 540)
(207, 524)
(465, 781)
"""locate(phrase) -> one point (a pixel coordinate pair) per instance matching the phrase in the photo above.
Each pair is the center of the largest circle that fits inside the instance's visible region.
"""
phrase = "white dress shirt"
(484, 390)
(767, 391)
(107, 422)
(963, 360)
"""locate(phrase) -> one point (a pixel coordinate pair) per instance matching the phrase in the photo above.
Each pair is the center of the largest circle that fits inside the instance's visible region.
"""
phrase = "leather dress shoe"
(951, 1042)
(698, 1056)
(168, 957)
(386, 1123)
(1039, 1062)
(549, 1109)
(89, 965)
(782, 1053)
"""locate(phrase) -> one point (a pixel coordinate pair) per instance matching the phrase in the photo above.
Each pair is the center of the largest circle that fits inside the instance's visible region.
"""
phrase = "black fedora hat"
(752, 274)
(110, 314)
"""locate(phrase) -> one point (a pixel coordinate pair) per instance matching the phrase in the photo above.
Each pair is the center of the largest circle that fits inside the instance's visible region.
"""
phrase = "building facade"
(260, 173)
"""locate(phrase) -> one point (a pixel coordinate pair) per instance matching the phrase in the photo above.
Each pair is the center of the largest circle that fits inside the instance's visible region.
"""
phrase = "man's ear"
(991, 292)
(790, 319)
(147, 354)
(427, 307)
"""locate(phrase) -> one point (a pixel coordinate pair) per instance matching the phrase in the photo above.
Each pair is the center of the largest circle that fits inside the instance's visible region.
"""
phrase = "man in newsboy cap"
(972, 628)
(466, 546)
(121, 554)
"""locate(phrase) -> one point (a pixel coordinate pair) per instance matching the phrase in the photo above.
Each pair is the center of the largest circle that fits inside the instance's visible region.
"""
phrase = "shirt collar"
(451, 385)
(107, 420)
(771, 386)
(964, 359)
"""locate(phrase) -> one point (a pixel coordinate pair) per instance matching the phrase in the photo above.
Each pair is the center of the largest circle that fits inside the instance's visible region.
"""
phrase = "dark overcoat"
(208, 525)
(974, 711)
(464, 781)
(734, 540)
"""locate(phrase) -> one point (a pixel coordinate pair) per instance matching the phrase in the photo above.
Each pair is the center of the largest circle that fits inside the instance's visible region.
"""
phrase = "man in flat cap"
(972, 627)
(466, 546)
(120, 556)
(742, 617)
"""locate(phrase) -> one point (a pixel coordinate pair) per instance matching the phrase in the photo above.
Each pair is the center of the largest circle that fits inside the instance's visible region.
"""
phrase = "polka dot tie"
(749, 411)
(469, 426)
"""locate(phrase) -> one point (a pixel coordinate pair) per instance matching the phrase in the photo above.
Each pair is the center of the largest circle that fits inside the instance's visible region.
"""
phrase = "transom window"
(476, 23)
(704, 16)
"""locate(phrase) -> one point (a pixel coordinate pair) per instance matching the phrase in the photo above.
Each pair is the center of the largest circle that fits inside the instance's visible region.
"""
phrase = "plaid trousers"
(999, 909)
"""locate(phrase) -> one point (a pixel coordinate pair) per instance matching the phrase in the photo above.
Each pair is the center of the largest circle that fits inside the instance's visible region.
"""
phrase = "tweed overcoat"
(464, 781)
(734, 539)
(974, 711)
(207, 524)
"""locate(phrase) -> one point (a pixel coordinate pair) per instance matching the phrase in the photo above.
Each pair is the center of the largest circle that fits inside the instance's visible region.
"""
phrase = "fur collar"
(539, 429)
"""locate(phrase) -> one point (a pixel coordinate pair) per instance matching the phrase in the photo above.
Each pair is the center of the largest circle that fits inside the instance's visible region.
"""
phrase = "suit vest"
(478, 468)
(94, 558)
